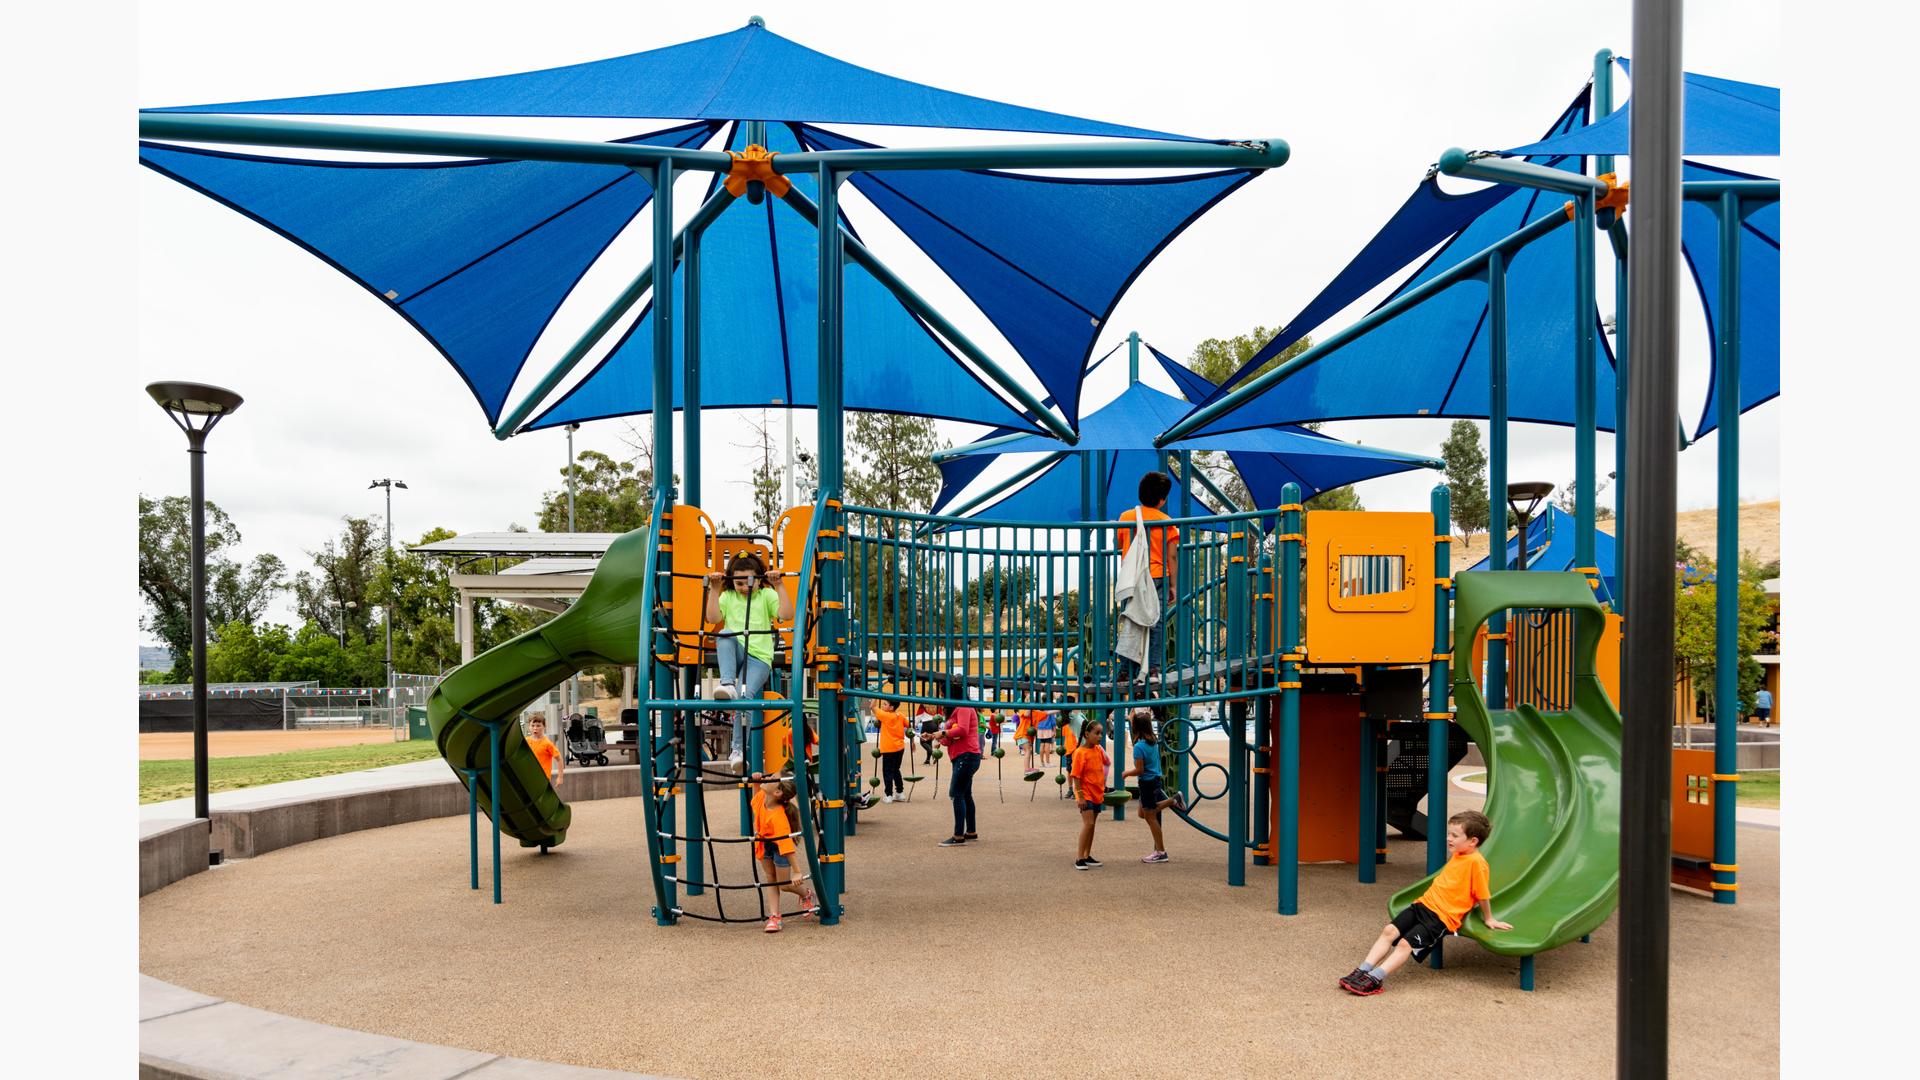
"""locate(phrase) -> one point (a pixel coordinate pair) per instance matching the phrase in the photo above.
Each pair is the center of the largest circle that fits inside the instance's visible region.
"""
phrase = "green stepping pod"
(1034, 775)
(602, 627)
(1553, 779)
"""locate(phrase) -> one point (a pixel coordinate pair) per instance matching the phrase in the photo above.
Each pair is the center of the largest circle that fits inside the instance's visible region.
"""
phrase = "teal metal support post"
(496, 741)
(1496, 684)
(1369, 798)
(691, 746)
(1133, 357)
(1726, 611)
(663, 724)
(1617, 233)
(1439, 725)
(1438, 721)
(1183, 637)
(1586, 398)
(1265, 718)
(1238, 775)
(1287, 584)
(831, 417)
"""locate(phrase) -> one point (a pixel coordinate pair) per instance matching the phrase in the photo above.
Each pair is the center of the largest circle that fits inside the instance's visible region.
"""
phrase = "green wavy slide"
(602, 627)
(1553, 778)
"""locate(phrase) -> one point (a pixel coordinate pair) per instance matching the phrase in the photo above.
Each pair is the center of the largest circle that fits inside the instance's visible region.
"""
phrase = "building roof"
(523, 545)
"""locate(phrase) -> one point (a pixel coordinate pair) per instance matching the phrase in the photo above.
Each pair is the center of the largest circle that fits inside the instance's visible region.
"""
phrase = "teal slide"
(1553, 778)
(602, 627)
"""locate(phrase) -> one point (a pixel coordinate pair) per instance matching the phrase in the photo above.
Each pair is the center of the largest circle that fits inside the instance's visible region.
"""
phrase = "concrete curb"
(171, 850)
(189, 1036)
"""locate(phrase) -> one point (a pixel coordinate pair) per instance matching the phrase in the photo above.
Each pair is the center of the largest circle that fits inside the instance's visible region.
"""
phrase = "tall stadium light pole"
(196, 407)
(573, 684)
(386, 604)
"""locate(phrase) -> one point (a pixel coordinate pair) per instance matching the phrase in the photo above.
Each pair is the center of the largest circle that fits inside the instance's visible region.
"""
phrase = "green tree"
(424, 606)
(1466, 477)
(339, 599)
(235, 593)
(609, 496)
(1565, 499)
(1695, 631)
(895, 470)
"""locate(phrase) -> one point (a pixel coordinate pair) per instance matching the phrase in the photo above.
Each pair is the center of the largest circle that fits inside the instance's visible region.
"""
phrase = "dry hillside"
(1759, 533)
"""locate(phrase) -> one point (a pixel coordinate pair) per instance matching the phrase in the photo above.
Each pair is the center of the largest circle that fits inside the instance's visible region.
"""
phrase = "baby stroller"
(586, 741)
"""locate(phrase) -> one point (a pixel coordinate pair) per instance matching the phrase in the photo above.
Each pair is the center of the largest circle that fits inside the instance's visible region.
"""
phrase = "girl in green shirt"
(746, 600)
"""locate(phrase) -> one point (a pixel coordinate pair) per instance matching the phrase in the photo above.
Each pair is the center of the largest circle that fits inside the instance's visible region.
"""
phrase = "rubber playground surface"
(993, 959)
(178, 745)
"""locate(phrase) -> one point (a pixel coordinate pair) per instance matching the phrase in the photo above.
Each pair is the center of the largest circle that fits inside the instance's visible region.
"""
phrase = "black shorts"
(1084, 806)
(1150, 794)
(1421, 929)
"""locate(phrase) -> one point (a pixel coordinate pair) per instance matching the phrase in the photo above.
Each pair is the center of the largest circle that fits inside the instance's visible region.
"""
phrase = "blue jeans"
(731, 652)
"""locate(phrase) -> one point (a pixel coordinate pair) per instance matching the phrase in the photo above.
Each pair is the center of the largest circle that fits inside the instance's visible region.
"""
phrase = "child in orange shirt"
(1089, 774)
(893, 747)
(775, 821)
(544, 749)
(1023, 735)
(1456, 889)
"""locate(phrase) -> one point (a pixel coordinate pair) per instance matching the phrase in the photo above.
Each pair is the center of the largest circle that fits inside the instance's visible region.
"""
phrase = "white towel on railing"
(1139, 601)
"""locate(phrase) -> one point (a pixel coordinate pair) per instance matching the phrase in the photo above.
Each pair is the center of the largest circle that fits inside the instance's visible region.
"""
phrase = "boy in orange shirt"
(1089, 775)
(544, 749)
(893, 747)
(1456, 889)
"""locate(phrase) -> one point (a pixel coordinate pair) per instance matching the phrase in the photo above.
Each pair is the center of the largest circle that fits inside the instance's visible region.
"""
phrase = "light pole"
(188, 405)
(1525, 498)
(344, 606)
(386, 604)
(573, 684)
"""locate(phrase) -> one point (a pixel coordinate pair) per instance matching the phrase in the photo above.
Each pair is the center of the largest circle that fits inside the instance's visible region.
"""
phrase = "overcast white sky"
(339, 391)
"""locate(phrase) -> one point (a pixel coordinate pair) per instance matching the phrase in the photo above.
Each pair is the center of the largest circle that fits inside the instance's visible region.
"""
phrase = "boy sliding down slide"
(1417, 931)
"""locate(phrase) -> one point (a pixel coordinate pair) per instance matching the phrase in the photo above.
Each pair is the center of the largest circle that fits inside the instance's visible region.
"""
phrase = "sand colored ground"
(995, 959)
(178, 745)
(1759, 533)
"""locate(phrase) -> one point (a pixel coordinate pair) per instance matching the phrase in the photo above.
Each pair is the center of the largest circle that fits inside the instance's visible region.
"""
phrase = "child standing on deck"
(775, 821)
(1146, 765)
(1089, 774)
(893, 747)
(746, 601)
(1456, 889)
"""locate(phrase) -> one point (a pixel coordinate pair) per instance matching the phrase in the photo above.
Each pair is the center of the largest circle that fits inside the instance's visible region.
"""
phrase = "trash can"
(417, 726)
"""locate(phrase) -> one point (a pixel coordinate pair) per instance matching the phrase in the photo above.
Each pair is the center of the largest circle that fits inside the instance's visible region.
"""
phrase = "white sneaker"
(733, 762)
(723, 692)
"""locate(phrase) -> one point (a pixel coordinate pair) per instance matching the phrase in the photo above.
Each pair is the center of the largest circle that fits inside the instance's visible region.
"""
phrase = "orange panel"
(692, 536)
(1329, 778)
(776, 741)
(1369, 587)
(1693, 803)
(790, 534)
(1606, 664)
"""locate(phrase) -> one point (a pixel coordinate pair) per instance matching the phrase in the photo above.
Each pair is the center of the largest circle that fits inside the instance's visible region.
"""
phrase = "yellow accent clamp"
(1444, 582)
(1288, 686)
(1616, 197)
(827, 686)
(1733, 778)
(1723, 868)
(1720, 887)
(1438, 715)
(755, 163)
(669, 858)
(833, 804)
(1284, 537)
(1443, 539)
(1284, 507)
(1443, 656)
(833, 858)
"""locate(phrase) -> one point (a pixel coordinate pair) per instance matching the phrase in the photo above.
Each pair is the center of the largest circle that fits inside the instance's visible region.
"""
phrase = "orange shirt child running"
(544, 749)
(1089, 773)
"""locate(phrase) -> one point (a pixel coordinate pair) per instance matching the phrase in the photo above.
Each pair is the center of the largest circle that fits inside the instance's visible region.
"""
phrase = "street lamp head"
(400, 484)
(1526, 496)
(196, 407)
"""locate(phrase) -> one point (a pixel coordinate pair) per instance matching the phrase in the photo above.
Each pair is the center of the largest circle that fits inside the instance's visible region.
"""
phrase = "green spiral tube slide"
(1553, 778)
(602, 627)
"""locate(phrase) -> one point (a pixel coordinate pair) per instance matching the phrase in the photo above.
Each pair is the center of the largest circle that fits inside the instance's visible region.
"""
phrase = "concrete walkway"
(184, 1034)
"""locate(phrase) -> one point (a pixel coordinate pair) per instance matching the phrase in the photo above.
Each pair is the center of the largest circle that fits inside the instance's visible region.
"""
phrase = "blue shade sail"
(1550, 548)
(759, 333)
(957, 473)
(1044, 258)
(1124, 428)
(1721, 117)
(1759, 292)
(1428, 217)
(747, 74)
(476, 255)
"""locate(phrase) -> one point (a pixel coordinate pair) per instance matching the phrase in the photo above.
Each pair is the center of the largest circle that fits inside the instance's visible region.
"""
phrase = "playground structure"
(1315, 630)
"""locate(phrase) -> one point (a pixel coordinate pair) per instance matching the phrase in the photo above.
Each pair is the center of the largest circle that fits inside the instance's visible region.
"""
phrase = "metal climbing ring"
(1178, 734)
(1225, 781)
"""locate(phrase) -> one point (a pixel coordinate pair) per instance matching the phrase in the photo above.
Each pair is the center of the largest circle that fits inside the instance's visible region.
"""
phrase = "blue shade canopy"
(957, 473)
(759, 323)
(477, 255)
(1044, 258)
(1428, 217)
(1550, 547)
(1759, 292)
(1123, 430)
(747, 74)
(1721, 117)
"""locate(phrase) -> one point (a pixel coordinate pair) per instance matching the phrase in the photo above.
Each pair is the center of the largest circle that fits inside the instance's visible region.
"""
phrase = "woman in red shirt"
(961, 737)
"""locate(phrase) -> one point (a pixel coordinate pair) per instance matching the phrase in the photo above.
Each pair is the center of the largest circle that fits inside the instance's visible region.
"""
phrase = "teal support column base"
(1526, 974)
(1723, 896)
(1586, 939)
(1435, 960)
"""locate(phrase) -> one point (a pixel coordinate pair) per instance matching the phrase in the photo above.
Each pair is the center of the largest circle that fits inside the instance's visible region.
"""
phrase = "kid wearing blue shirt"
(1146, 765)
